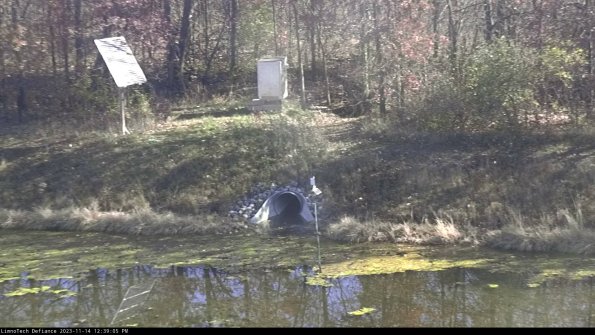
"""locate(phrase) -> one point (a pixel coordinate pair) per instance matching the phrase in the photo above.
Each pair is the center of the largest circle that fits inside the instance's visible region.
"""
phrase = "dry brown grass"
(440, 230)
(140, 222)
(567, 233)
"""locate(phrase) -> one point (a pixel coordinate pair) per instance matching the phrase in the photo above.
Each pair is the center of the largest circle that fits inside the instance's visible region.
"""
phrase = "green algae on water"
(394, 264)
(26, 290)
(52, 255)
(362, 311)
(317, 281)
(63, 293)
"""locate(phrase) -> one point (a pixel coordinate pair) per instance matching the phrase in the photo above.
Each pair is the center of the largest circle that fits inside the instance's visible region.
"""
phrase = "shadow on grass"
(420, 175)
(189, 114)
(185, 171)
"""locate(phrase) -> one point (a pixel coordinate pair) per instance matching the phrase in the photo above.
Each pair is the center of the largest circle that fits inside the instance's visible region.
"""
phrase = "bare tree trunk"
(275, 27)
(233, 16)
(379, 60)
(299, 55)
(453, 35)
(325, 68)
(365, 44)
(183, 42)
(489, 21)
(591, 78)
(171, 48)
(66, 40)
(2, 67)
(500, 19)
(542, 96)
(538, 8)
(312, 30)
(176, 53)
(21, 92)
(3, 44)
(78, 39)
(206, 32)
(435, 19)
(99, 68)
(52, 33)
(289, 50)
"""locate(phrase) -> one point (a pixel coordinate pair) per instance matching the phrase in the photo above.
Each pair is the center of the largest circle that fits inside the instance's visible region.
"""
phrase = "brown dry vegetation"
(529, 191)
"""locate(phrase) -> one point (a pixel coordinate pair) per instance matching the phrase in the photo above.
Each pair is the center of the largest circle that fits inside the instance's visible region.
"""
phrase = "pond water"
(50, 279)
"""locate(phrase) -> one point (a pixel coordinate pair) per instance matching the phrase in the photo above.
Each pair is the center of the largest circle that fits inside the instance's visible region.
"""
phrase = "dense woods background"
(437, 64)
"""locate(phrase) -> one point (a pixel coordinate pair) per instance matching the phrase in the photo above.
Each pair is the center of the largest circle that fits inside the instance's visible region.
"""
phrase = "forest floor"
(529, 191)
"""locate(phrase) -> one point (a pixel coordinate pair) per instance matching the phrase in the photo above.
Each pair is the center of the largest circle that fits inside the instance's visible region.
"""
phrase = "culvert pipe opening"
(289, 207)
(284, 207)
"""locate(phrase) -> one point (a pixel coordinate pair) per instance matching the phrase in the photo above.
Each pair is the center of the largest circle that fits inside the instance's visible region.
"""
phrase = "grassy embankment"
(531, 191)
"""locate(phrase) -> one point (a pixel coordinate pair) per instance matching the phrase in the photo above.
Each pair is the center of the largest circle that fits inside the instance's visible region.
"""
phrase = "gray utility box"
(272, 78)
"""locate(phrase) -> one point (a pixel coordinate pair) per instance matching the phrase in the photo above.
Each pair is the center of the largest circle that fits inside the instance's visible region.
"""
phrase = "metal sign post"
(122, 66)
(123, 101)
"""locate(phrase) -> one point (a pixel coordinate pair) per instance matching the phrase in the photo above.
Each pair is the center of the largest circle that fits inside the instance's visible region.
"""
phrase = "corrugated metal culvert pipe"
(284, 207)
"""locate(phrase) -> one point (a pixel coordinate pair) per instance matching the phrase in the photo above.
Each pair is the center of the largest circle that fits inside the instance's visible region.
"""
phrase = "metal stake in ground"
(317, 237)
(125, 130)
(316, 192)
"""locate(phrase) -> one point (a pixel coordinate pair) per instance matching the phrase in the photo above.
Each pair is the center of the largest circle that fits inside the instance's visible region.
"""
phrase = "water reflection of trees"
(203, 297)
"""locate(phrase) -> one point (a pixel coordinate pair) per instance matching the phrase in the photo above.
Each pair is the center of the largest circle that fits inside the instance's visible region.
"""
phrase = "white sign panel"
(120, 61)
